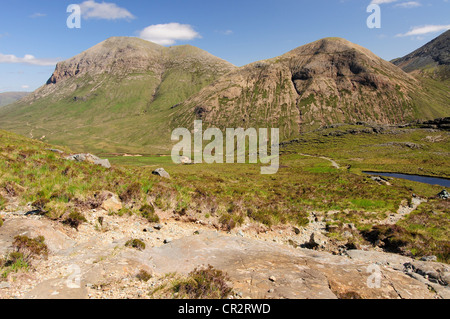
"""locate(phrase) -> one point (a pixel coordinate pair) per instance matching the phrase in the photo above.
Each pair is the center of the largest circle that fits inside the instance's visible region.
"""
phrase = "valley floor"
(319, 228)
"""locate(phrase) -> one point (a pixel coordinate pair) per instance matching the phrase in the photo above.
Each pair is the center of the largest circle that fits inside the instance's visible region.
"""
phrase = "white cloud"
(382, 1)
(168, 34)
(108, 11)
(25, 87)
(409, 4)
(421, 30)
(27, 59)
(38, 15)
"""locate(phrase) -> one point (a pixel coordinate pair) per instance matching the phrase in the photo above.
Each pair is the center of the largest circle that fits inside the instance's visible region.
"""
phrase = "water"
(416, 178)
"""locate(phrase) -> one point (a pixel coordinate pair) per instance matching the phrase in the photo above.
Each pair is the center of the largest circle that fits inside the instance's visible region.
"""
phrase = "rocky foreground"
(94, 262)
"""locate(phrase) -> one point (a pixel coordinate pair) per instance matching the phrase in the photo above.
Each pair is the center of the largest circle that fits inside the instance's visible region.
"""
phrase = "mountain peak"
(125, 55)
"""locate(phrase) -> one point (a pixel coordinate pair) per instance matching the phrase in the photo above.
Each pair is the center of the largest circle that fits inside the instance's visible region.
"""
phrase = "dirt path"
(334, 163)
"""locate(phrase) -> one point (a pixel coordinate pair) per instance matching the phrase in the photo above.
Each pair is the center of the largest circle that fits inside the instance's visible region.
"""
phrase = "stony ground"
(93, 262)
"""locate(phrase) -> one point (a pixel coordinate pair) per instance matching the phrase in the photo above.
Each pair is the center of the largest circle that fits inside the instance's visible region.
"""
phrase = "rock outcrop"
(89, 158)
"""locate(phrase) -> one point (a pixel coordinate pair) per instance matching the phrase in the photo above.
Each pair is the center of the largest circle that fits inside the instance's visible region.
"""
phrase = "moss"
(2, 202)
(203, 283)
(30, 247)
(230, 221)
(144, 276)
(148, 212)
(132, 192)
(75, 219)
(136, 244)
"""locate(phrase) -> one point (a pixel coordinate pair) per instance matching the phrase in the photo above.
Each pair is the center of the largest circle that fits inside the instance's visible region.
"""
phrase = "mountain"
(433, 54)
(328, 81)
(11, 97)
(126, 95)
(115, 96)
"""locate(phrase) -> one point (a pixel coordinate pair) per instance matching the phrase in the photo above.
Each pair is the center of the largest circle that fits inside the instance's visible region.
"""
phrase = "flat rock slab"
(299, 273)
(257, 269)
(56, 240)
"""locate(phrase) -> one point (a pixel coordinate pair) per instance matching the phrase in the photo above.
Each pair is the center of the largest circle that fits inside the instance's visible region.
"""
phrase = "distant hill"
(433, 56)
(11, 97)
(126, 95)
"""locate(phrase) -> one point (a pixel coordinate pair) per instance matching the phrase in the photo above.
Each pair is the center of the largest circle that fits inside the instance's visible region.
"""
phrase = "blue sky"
(34, 34)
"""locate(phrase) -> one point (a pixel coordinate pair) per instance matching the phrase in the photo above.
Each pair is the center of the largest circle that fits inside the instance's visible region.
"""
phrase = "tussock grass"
(233, 194)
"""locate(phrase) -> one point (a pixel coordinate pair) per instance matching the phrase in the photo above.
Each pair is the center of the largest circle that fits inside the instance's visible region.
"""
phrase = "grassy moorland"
(232, 194)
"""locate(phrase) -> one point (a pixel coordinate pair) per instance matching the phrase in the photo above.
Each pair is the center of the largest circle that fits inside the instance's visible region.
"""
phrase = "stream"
(415, 178)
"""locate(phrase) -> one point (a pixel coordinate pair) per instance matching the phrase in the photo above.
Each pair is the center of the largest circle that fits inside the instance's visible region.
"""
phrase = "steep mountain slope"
(327, 81)
(430, 64)
(435, 53)
(115, 96)
(11, 97)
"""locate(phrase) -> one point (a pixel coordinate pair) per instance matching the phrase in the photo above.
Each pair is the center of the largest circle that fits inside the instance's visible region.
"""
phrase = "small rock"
(271, 291)
(444, 195)
(185, 160)
(5, 285)
(240, 233)
(197, 232)
(158, 226)
(54, 150)
(347, 234)
(112, 203)
(296, 231)
(161, 172)
(34, 212)
(168, 240)
(272, 279)
(429, 258)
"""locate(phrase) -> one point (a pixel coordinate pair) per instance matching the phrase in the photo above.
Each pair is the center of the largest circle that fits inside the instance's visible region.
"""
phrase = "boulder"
(161, 172)
(444, 194)
(111, 203)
